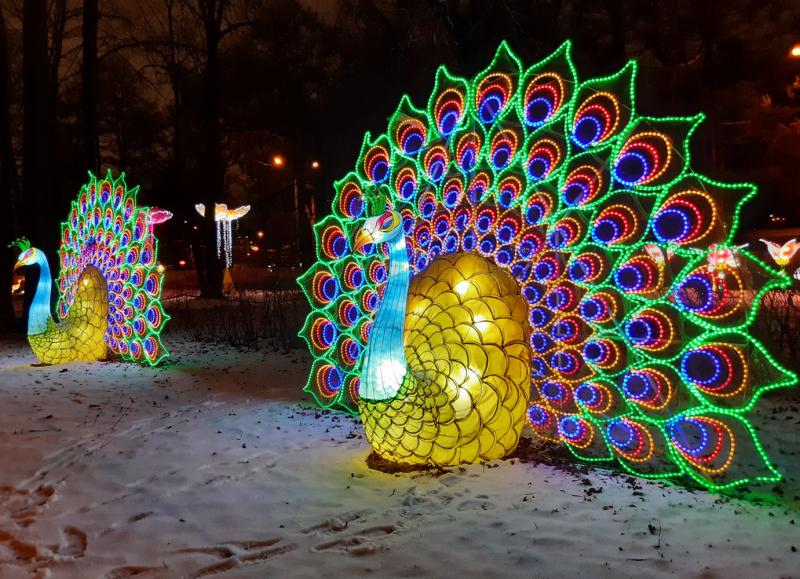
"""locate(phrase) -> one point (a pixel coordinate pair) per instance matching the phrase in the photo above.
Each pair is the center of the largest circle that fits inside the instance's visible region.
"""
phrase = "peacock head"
(380, 229)
(29, 255)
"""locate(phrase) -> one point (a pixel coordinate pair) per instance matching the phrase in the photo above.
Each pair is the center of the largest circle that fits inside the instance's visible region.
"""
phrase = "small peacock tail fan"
(638, 299)
(107, 229)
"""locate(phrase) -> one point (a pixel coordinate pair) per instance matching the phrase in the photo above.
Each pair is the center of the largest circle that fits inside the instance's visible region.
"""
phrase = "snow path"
(214, 466)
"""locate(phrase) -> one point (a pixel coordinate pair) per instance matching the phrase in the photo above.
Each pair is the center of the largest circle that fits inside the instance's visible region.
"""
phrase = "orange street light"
(277, 160)
(795, 50)
(261, 234)
(315, 164)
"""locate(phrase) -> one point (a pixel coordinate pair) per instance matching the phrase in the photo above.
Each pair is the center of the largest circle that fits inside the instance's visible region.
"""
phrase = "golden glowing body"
(81, 336)
(466, 392)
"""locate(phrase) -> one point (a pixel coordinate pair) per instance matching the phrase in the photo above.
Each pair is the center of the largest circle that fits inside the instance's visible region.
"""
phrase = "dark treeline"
(194, 99)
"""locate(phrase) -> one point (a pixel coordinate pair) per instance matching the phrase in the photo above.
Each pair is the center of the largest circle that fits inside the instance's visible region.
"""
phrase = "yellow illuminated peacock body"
(464, 373)
(540, 249)
(109, 284)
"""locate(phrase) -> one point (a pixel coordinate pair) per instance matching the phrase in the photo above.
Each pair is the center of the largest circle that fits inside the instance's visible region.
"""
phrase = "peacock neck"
(385, 359)
(40, 306)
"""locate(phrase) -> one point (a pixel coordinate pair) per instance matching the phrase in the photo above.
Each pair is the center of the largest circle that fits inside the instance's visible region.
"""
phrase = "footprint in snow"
(476, 505)
(360, 543)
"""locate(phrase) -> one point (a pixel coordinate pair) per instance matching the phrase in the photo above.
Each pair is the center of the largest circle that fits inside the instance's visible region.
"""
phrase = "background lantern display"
(224, 218)
(158, 216)
(109, 284)
(782, 254)
(634, 294)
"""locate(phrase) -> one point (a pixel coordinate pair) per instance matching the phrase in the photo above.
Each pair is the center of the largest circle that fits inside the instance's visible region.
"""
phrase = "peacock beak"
(363, 237)
(18, 265)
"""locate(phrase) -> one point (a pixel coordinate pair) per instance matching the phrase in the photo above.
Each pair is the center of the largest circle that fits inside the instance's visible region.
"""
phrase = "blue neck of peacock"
(385, 360)
(40, 307)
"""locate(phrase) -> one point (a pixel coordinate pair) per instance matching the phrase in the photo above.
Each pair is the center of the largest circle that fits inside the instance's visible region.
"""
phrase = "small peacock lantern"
(109, 284)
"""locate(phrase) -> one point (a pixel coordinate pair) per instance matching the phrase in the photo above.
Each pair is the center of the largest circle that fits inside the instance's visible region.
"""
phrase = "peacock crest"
(21, 243)
(637, 349)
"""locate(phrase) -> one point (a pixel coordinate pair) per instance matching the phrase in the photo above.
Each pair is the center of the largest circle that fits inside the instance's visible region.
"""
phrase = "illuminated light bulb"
(462, 287)
(277, 160)
(315, 164)
(390, 370)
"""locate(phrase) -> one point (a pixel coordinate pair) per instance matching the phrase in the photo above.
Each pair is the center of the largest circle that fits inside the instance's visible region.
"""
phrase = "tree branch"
(238, 25)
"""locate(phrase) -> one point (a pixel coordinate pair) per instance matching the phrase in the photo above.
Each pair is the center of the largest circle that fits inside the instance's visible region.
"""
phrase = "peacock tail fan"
(638, 299)
(108, 230)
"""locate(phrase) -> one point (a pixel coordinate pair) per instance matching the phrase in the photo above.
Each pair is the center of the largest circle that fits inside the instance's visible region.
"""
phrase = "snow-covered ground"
(217, 464)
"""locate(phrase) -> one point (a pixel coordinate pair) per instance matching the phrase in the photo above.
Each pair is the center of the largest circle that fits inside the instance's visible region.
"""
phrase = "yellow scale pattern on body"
(81, 335)
(466, 344)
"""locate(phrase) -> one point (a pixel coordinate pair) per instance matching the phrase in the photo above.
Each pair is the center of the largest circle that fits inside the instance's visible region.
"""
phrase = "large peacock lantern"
(109, 284)
(530, 249)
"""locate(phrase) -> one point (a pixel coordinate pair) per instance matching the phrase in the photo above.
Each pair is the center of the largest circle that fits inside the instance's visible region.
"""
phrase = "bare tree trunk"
(38, 192)
(174, 73)
(616, 16)
(8, 183)
(213, 166)
(214, 176)
(708, 16)
(91, 145)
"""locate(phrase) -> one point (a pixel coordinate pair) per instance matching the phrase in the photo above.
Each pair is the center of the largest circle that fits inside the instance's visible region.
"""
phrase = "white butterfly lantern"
(717, 258)
(782, 254)
(224, 216)
(657, 253)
